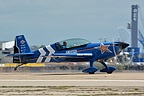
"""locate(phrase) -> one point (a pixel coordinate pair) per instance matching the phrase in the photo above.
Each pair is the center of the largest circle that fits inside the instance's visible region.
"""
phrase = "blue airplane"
(70, 50)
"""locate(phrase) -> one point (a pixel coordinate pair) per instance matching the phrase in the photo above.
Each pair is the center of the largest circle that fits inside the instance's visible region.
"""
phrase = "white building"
(5, 49)
(7, 45)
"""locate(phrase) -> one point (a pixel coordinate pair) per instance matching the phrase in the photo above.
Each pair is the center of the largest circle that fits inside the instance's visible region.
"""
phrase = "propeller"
(114, 49)
(121, 46)
(124, 34)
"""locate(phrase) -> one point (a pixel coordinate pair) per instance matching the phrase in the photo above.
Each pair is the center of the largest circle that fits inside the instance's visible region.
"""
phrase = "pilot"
(64, 44)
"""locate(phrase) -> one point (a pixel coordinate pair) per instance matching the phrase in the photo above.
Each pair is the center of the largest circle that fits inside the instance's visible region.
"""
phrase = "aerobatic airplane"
(70, 50)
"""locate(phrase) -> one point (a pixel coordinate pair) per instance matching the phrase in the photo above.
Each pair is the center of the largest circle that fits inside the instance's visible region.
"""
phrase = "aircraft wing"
(20, 54)
(72, 55)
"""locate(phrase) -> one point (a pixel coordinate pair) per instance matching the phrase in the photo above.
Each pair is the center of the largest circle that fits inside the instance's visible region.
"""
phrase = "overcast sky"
(48, 21)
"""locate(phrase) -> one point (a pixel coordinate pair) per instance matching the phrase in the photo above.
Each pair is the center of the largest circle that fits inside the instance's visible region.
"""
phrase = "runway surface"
(72, 79)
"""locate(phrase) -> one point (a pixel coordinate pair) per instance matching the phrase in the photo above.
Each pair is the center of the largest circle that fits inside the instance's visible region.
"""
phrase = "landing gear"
(109, 72)
(91, 69)
(107, 69)
(91, 72)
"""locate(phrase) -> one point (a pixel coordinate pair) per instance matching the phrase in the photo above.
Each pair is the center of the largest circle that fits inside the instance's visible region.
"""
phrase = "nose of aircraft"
(123, 45)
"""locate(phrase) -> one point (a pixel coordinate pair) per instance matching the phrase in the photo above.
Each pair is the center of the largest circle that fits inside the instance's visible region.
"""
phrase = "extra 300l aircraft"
(70, 50)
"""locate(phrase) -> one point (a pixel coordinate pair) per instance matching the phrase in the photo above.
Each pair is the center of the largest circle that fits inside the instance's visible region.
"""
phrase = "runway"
(71, 84)
(72, 79)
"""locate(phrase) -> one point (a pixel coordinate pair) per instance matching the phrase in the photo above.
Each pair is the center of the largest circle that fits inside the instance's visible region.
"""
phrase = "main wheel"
(109, 72)
(91, 72)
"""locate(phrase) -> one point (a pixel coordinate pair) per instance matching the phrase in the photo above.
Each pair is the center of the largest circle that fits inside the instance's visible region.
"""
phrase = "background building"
(5, 49)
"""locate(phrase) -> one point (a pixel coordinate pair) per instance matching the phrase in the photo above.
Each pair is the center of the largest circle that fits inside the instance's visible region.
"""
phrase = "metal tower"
(134, 28)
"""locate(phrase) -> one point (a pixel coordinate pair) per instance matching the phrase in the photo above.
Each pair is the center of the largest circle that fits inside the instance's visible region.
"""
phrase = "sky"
(45, 22)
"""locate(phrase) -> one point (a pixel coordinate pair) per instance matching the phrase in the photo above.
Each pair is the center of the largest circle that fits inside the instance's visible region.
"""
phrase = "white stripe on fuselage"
(42, 53)
(51, 51)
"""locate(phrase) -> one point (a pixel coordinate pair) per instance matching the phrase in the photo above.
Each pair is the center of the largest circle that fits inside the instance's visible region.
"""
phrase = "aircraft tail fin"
(21, 45)
(21, 49)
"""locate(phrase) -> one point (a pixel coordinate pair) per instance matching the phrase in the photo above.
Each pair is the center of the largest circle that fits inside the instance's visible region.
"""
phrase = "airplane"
(70, 50)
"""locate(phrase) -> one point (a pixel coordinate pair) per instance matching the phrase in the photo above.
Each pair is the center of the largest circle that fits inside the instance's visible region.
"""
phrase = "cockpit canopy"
(71, 43)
